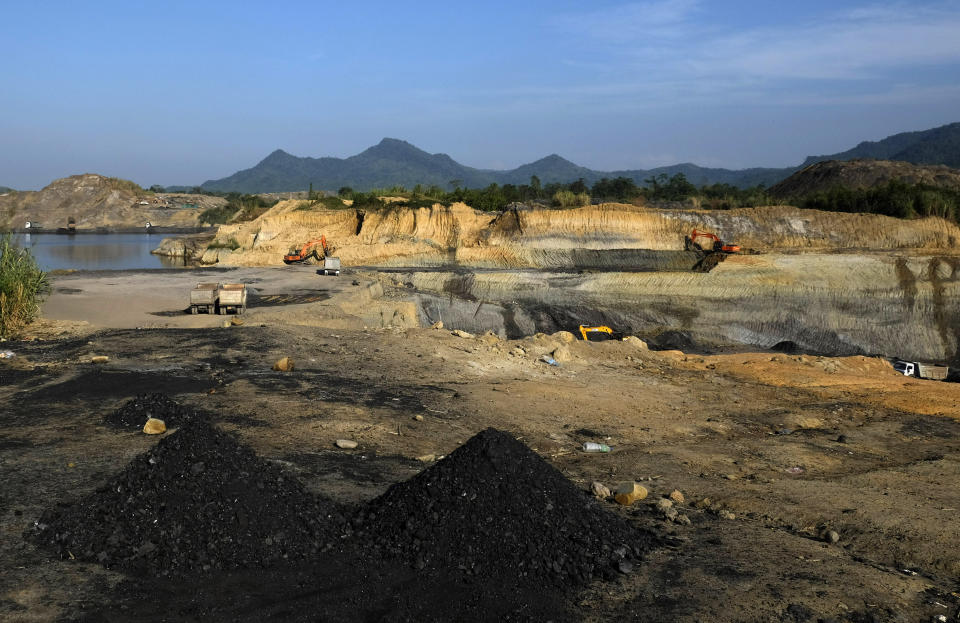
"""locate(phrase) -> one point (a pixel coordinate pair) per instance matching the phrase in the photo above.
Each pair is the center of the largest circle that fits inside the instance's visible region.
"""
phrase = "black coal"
(135, 413)
(198, 501)
(494, 508)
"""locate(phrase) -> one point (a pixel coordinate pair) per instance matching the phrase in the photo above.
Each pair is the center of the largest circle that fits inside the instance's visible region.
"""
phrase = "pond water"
(96, 251)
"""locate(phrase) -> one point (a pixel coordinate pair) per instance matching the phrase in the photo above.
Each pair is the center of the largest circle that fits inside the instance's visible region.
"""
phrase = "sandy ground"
(771, 452)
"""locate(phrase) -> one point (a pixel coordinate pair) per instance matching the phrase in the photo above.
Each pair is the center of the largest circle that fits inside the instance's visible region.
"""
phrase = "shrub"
(570, 199)
(218, 216)
(229, 243)
(331, 203)
(22, 287)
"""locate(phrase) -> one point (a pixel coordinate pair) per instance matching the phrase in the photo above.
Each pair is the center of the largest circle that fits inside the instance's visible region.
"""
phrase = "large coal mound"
(494, 508)
(135, 412)
(198, 501)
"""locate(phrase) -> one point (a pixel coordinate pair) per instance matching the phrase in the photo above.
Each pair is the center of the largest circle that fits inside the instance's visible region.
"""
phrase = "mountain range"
(395, 162)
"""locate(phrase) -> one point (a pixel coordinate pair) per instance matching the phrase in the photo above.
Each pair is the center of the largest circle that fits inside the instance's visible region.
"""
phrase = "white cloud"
(671, 39)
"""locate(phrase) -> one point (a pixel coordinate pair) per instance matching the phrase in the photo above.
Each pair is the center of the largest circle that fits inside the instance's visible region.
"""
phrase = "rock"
(632, 340)
(461, 333)
(99, 359)
(800, 421)
(682, 520)
(627, 493)
(518, 352)
(599, 490)
(427, 458)
(562, 353)
(831, 536)
(704, 503)
(418, 418)
(676, 496)
(625, 567)
(235, 321)
(726, 515)
(226, 324)
(842, 439)
(346, 444)
(155, 426)
(490, 338)
(437, 325)
(564, 336)
(283, 365)
(664, 505)
(670, 513)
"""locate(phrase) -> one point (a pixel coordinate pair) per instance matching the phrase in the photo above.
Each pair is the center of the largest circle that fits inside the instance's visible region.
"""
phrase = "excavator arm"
(306, 250)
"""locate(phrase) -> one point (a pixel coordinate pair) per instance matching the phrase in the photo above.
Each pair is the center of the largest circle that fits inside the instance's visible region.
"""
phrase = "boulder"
(599, 490)
(635, 341)
(677, 496)
(564, 336)
(283, 365)
(346, 444)
(627, 493)
(461, 333)
(562, 353)
(155, 427)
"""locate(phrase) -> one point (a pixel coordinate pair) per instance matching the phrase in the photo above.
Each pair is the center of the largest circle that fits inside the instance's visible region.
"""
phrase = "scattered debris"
(7, 354)
(677, 496)
(592, 446)
(99, 359)
(599, 490)
(461, 333)
(550, 360)
(346, 444)
(437, 325)
(427, 458)
(796, 469)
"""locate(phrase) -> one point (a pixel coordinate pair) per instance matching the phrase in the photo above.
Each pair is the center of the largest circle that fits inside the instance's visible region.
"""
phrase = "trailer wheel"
(193, 310)
(223, 311)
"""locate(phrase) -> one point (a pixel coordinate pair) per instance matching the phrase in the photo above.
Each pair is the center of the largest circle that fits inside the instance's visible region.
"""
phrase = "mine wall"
(820, 304)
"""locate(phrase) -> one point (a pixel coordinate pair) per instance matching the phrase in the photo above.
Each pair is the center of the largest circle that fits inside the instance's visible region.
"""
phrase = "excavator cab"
(598, 334)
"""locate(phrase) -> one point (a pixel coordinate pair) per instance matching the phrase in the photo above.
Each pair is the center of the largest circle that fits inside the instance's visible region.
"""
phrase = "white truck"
(331, 266)
(233, 297)
(204, 297)
(921, 370)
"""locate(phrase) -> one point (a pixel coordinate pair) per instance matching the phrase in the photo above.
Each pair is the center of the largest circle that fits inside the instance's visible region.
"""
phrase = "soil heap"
(135, 412)
(494, 508)
(197, 501)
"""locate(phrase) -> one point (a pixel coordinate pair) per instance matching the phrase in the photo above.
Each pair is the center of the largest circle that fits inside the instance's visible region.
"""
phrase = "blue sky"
(182, 92)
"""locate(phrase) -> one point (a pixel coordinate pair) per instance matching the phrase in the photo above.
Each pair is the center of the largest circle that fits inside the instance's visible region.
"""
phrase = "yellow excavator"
(599, 333)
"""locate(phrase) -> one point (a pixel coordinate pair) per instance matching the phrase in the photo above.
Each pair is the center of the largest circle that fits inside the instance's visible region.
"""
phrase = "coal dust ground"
(770, 453)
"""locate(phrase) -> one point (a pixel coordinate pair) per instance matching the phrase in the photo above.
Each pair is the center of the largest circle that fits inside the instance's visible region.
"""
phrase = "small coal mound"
(495, 509)
(135, 412)
(198, 501)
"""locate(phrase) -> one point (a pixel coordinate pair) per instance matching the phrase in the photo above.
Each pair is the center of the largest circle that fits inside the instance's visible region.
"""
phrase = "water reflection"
(96, 251)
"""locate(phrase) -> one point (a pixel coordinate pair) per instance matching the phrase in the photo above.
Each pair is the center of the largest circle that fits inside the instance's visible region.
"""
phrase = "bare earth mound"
(861, 174)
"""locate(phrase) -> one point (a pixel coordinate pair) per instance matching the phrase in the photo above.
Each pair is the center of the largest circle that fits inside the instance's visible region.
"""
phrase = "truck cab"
(906, 368)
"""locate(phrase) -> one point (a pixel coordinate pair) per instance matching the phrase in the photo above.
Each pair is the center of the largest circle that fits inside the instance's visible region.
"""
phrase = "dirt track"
(791, 446)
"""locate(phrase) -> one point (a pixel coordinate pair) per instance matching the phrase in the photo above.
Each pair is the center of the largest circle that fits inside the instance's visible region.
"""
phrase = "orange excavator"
(310, 248)
(715, 243)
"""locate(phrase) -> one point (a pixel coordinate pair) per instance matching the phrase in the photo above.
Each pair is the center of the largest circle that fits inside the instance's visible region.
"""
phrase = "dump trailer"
(204, 297)
(331, 266)
(233, 297)
(932, 372)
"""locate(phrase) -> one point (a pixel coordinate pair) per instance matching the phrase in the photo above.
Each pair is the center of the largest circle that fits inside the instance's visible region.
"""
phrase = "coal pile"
(495, 509)
(198, 501)
(135, 412)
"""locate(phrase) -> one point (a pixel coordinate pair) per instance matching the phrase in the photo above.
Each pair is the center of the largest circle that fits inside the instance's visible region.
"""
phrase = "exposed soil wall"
(459, 235)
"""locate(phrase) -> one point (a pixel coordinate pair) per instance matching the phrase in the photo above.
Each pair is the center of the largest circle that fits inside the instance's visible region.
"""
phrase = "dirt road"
(814, 488)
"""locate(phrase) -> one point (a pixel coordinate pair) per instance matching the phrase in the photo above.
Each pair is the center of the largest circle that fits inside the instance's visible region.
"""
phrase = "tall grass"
(22, 287)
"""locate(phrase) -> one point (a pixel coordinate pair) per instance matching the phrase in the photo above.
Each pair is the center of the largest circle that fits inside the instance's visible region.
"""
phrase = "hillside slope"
(860, 174)
(95, 201)
(939, 145)
(395, 162)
